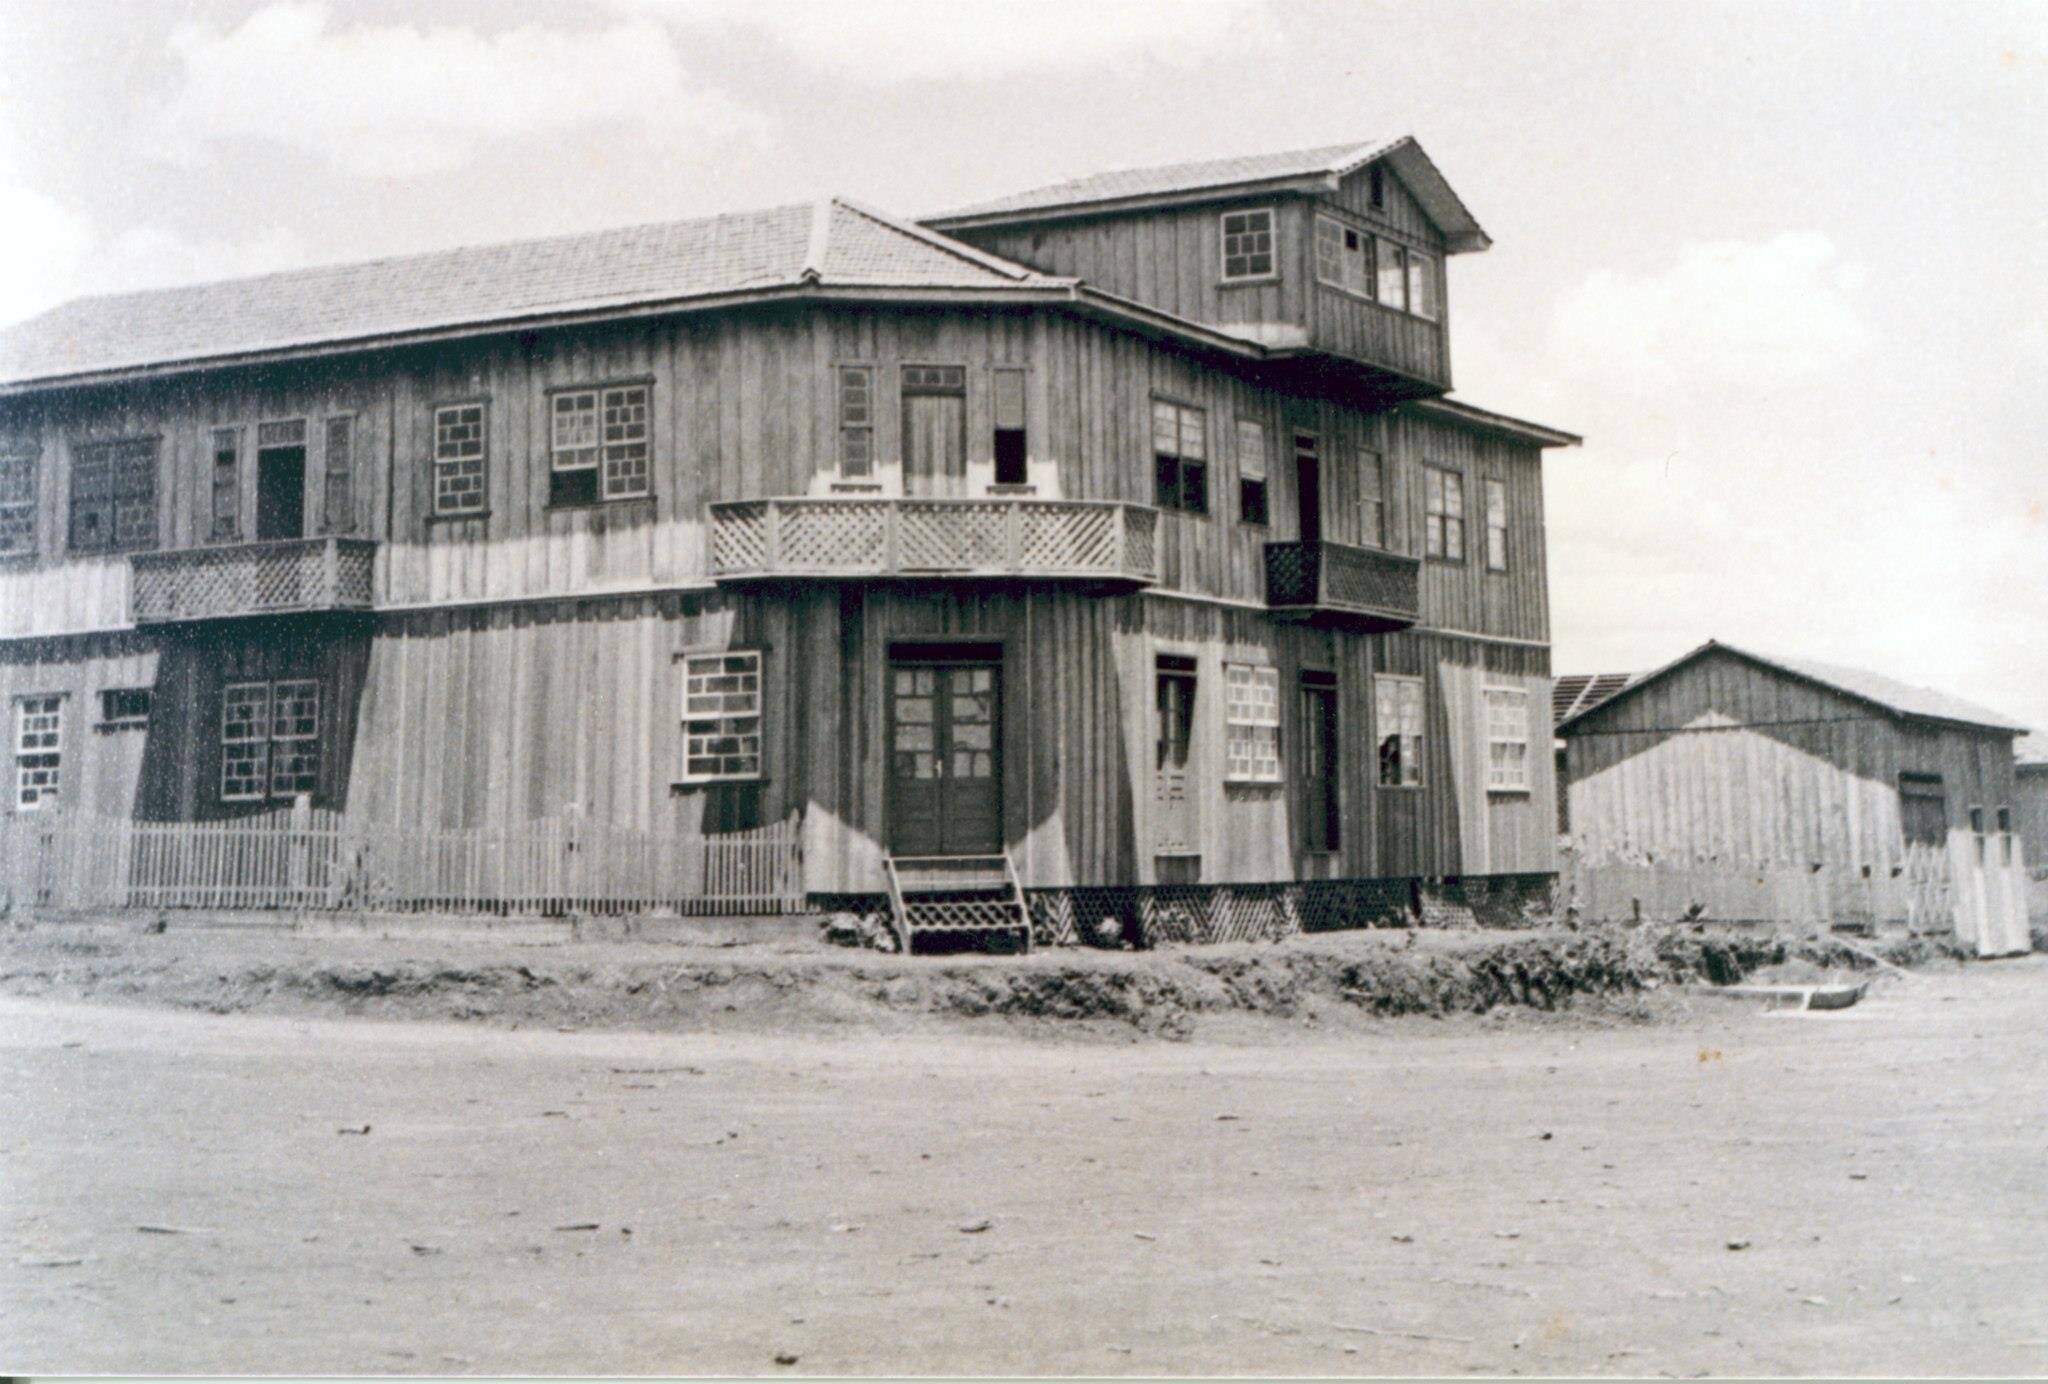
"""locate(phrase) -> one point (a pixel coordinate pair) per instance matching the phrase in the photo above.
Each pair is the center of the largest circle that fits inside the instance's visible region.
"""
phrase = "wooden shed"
(1774, 789)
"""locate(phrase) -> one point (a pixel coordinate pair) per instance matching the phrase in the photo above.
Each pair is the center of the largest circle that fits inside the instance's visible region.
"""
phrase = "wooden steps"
(956, 896)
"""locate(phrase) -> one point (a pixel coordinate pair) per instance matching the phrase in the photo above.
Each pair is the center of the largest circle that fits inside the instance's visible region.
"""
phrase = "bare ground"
(1350, 1194)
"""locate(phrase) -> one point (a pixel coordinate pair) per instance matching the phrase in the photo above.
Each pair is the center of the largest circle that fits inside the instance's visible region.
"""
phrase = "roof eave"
(1521, 429)
(1292, 183)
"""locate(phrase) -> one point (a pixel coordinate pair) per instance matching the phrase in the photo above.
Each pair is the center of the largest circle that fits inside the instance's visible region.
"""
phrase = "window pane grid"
(459, 459)
(18, 497)
(1180, 456)
(856, 420)
(722, 716)
(1248, 244)
(38, 749)
(1252, 723)
(1443, 520)
(1507, 738)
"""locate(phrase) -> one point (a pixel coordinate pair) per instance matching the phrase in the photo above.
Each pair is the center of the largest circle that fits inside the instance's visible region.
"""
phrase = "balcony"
(852, 538)
(288, 576)
(1336, 583)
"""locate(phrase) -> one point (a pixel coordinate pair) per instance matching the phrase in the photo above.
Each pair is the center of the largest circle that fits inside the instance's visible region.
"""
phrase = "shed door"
(945, 764)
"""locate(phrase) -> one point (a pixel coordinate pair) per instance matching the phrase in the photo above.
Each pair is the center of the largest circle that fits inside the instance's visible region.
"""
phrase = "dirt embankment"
(1329, 978)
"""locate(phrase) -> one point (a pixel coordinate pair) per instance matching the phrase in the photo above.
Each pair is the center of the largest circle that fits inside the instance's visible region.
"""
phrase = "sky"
(1784, 265)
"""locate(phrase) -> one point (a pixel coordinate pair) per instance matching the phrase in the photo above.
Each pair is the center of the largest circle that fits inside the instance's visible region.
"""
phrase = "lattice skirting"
(1146, 915)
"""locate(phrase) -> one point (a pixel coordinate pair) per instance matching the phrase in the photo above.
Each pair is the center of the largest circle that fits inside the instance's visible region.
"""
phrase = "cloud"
(882, 42)
(1741, 313)
(405, 102)
(45, 242)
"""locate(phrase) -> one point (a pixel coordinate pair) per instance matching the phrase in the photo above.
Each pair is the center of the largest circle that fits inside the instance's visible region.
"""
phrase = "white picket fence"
(323, 861)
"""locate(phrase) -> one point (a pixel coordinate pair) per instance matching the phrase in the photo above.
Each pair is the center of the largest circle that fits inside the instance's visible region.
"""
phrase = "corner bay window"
(1507, 740)
(1397, 719)
(38, 749)
(1180, 455)
(113, 496)
(269, 739)
(1248, 244)
(599, 445)
(722, 716)
(1252, 723)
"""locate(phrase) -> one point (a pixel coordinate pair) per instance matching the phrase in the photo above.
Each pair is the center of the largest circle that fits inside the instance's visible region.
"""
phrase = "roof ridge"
(820, 243)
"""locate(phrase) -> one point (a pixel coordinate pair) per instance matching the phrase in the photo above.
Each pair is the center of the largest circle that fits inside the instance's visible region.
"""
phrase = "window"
(1443, 514)
(125, 708)
(113, 496)
(38, 749)
(18, 496)
(1180, 453)
(1010, 454)
(1248, 244)
(338, 504)
(599, 445)
(1372, 499)
(722, 716)
(1507, 740)
(1397, 714)
(227, 485)
(1977, 830)
(1344, 257)
(1252, 507)
(460, 453)
(1422, 284)
(2005, 835)
(1252, 723)
(1393, 275)
(269, 739)
(1923, 810)
(1496, 526)
(856, 421)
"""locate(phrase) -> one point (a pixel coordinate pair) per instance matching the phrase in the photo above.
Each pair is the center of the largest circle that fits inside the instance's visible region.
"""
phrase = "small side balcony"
(1016, 538)
(280, 577)
(1364, 588)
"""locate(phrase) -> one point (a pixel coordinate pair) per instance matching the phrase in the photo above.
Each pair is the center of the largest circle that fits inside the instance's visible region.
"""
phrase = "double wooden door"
(945, 758)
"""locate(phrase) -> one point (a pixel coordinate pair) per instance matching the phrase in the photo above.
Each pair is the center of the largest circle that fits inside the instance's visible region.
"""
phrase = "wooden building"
(2030, 806)
(1771, 788)
(1114, 537)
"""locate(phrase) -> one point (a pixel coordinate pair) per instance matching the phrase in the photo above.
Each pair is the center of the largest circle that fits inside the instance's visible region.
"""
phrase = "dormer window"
(1248, 244)
(1344, 256)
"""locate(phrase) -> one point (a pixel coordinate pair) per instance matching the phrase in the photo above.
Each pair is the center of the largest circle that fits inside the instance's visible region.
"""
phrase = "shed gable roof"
(1895, 698)
(1299, 169)
(833, 242)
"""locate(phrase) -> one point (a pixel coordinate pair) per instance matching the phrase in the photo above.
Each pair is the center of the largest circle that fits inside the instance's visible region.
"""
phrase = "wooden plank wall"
(1354, 326)
(102, 769)
(1466, 596)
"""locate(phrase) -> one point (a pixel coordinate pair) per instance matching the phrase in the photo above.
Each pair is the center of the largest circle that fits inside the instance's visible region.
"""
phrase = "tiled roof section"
(456, 288)
(1572, 693)
(1179, 177)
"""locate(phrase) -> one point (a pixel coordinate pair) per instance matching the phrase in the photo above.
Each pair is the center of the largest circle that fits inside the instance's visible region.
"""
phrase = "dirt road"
(1427, 1197)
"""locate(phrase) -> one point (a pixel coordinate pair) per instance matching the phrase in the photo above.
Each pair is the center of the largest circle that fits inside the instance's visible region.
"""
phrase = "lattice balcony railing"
(279, 577)
(1381, 589)
(1001, 536)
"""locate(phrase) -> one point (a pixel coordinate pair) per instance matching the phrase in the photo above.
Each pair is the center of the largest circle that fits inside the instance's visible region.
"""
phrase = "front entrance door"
(945, 760)
(1308, 485)
(281, 492)
(1173, 805)
(1319, 762)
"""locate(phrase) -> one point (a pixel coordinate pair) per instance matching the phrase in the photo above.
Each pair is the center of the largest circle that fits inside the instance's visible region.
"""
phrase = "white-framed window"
(125, 708)
(1393, 275)
(1496, 526)
(18, 456)
(1372, 498)
(1397, 718)
(1253, 503)
(1180, 457)
(1251, 745)
(1507, 740)
(269, 739)
(38, 749)
(1443, 514)
(1248, 244)
(1422, 284)
(1344, 257)
(600, 444)
(722, 716)
(856, 421)
(461, 452)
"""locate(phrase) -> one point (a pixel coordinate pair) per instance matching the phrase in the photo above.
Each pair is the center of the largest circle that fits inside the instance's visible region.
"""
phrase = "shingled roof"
(1571, 693)
(833, 243)
(1298, 170)
(1874, 689)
